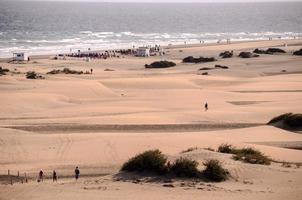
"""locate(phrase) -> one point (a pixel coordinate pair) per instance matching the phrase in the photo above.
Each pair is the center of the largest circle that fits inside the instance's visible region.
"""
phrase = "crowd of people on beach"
(55, 176)
(154, 50)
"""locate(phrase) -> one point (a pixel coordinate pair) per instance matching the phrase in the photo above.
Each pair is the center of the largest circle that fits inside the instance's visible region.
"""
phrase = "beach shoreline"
(177, 46)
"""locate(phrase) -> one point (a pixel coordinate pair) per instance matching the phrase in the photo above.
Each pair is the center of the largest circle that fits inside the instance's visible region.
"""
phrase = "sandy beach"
(98, 121)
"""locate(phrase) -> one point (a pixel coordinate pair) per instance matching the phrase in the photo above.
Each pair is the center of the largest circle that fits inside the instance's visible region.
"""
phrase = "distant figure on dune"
(40, 179)
(91, 70)
(77, 173)
(54, 176)
(206, 106)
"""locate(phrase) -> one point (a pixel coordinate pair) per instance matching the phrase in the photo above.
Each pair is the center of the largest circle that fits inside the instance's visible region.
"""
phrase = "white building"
(143, 52)
(20, 57)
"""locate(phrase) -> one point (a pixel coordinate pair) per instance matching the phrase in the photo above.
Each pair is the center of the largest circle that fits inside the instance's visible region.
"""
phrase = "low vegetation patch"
(298, 53)
(248, 155)
(221, 67)
(149, 161)
(226, 54)
(287, 121)
(214, 171)
(269, 51)
(247, 55)
(33, 75)
(160, 64)
(65, 71)
(3, 71)
(191, 59)
(155, 162)
(205, 68)
(184, 167)
(225, 148)
(252, 156)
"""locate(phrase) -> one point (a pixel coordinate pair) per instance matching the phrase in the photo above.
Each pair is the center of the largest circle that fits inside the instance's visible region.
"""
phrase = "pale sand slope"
(252, 91)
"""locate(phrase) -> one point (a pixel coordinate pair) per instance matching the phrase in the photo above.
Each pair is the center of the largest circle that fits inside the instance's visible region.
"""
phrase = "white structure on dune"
(143, 52)
(20, 56)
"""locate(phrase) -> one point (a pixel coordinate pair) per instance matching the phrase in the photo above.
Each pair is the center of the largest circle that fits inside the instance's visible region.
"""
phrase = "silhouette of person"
(40, 176)
(206, 107)
(54, 176)
(77, 173)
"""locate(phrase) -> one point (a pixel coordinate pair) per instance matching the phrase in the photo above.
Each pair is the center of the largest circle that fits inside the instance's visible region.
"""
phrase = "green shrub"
(160, 64)
(250, 155)
(184, 167)
(214, 171)
(225, 148)
(148, 161)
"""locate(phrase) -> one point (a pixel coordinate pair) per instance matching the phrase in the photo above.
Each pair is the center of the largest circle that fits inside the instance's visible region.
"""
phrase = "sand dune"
(99, 121)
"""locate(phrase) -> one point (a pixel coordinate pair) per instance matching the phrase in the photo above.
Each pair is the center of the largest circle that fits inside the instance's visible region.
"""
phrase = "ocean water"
(58, 27)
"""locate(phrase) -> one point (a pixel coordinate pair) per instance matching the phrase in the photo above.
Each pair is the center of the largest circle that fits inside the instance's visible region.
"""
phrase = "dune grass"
(155, 162)
(148, 161)
(184, 167)
(214, 171)
(248, 154)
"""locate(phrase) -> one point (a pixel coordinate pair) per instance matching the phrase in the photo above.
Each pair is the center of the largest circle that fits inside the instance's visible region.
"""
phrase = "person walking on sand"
(206, 106)
(77, 173)
(54, 176)
(91, 70)
(40, 179)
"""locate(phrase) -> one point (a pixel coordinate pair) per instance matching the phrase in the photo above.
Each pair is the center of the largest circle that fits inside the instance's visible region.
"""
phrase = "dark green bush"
(191, 59)
(148, 161)
(250, 155)
(33, 75)
(3, 71)
(225, 148)
(184, 167)
(214, 171)
(160, 64)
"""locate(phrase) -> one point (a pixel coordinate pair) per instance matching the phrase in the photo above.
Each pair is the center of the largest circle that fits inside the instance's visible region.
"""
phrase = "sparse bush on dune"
(226, 54)
(298, 53)
(248, 155)
(148, 161)
(184, 167)
(205, 68)
(214, 171)
(64, 71)
(3, 71)
(252, 156)
(269, 51)
(221, 67)
(191, 59)
(160, 64)
(225, 148)
(247, 55)
(287, 121)
(33, 75)
(155, 162)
